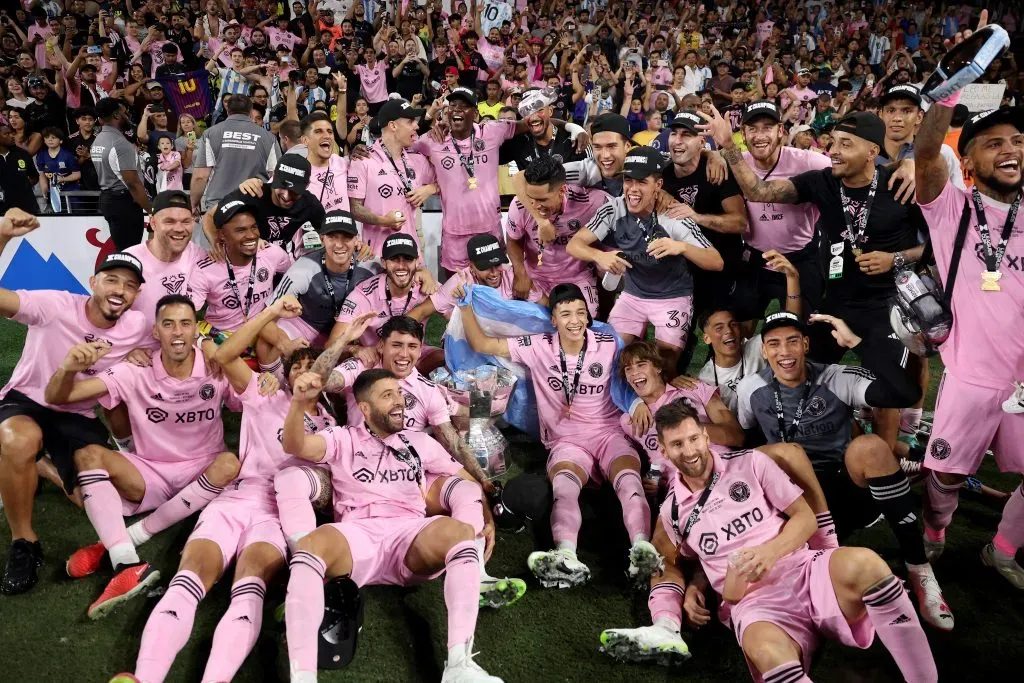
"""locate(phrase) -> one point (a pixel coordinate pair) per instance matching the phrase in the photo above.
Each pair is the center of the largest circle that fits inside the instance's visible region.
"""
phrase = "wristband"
(573, 130)
(950, 101)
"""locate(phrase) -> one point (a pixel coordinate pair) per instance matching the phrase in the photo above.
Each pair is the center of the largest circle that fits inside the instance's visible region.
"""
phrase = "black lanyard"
(570, 393)
(467, 163)
(856, 235)
(387, 298)
(247, 304)
(406, 179)
(784, 434)
(407, 457)
(743, 370)
(646, 229)
(776, 165)
(329, 286)
(994, 258)
(694, 514)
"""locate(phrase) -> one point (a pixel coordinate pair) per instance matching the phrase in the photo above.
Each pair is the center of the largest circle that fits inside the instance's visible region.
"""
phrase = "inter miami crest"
(206, 392)
(739, 491)
(940, 449)
(816, 407)
(595, 370)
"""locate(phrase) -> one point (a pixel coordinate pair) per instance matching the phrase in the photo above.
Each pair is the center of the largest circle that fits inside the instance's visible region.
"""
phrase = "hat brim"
(778, 325)
(639, 174)
(401, 251)
(491, 261)
(350, 230)
(685, 125)
(887, 98)
(410, 113)
(762, 114)
(1013, 116)
(465, 97)
(281, 183)
(116, 266)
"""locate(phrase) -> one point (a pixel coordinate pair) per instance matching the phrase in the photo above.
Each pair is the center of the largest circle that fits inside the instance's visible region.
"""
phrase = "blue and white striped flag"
(499, 317)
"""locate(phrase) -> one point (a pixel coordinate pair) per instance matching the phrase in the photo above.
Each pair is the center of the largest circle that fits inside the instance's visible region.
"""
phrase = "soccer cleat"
(645, 644)
(558, 568)
(85, 561)
(930, 603)
(128, 583)
(22, 570)
(644, 561)
(124, 678)
(460, 667)
(910, 467)
(495, 593)
(933, 549)
(1007, 566)
(1015, 404)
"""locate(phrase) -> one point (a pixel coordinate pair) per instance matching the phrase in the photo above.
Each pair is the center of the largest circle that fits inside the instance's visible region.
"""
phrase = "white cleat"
(1015, 404)
(645, 644)
(644, 562)
(930, 603)
(933, 549)
(460, 667)
(1007, 566)
(558, 568)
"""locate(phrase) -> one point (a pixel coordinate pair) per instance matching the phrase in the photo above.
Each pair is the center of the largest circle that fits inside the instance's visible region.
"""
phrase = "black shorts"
(868, 322)
(756, 286)
(852, 507)
(63, 433)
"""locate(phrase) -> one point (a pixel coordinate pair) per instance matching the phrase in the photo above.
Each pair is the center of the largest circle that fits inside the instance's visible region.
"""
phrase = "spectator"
(78, 144)
(58, 168)
(169, 168)
(17, 174)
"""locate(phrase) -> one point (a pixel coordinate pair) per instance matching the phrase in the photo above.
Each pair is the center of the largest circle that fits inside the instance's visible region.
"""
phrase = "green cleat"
(495, 593)
(647, 644)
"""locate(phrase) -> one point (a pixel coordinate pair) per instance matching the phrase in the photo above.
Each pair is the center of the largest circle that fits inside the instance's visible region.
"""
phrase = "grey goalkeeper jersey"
(826, 424)
(306, 280)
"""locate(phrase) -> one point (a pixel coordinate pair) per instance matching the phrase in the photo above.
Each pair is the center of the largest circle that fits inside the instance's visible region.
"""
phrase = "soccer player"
(811, 404)
(540, 260)
(239, 287)
(488, 266)
(579, 425)
(384, 536)
(747, 526)
(983, 353)
(329, 172)
(180, 463)
(391, 183)
(652, 252)
(543, 139)
(29, 424)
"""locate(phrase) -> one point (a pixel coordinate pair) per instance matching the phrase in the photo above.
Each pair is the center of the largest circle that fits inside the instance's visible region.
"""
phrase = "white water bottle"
(611, 281)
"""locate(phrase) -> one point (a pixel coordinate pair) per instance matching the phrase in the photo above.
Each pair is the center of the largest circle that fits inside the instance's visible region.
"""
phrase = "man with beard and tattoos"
(543, 139)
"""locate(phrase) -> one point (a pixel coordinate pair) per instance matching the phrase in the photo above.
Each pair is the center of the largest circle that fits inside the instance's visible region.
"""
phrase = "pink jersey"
(592, 407)
(426, 403)
(329, 184)
(56, 321)
(375, 295)
(744, 510)
(374, 81)
(375, 478)
(493, 54)
(380, 184)
(211, 282)
(805, 96)
(786, 227)
(468, 211)
(578, 207)
(164, 278)
(444, 299)
(173, 420)
(986, 345)
(276, 37)
(697, 398)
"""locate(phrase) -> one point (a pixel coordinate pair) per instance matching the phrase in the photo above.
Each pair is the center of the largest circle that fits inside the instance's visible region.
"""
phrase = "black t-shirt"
(172, 69)
(891, 227)
(89, 180)
(523, 149)
(410, 80)
(278, 225)
(17, 176)
(50, 112)
(697, 192)
(437, 68)
(564, 105)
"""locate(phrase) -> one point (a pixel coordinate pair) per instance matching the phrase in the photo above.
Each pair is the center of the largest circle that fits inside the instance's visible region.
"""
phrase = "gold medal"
(540, 257)
(857, 251)
(990, 280)
(567, 412)
(472, 182)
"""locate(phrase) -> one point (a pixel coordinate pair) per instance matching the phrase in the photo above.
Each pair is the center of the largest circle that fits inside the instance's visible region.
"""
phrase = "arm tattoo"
(326, 362)
(457, 446)
(335, 383)
(755, 189)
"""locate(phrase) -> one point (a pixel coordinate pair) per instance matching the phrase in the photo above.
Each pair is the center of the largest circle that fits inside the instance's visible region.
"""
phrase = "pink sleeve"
(336, 438)
(627, 426)
(438, 411)
(520, 350)
(777, 487)
(281, 261)
(507, 130)
(943, 213)
(422, 147)
(357, 180)
(443, 299)
(38, 307)
(424, 170)
(352, 306)
(349, 370)
(705, 392)
(514, 229)
(117, 378)
(434, 458)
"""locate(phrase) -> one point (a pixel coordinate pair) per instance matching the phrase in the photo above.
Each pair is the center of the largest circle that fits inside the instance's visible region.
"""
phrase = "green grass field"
(548, 636)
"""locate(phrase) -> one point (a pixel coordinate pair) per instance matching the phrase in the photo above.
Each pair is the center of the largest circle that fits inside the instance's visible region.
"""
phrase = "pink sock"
(190, 499)
(103, 507)
(237, 631)
(295, 489)
(1010, 535)
(790, 672)
(940, 503)
(824, 537)
(898, 628)
(169, 627)
(461, 498)
(636, 511)
(304, 610)
(461, 591)
(566, 518)
(666, 602)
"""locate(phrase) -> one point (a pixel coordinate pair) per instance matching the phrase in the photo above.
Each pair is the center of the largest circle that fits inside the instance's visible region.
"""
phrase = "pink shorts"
(379, 546)
(594, 454)
(454, 254)
(586, 283)
(969, 419)
(244, 514)
(802, 602)
(163, 480)
(297, 328)
(670, 317)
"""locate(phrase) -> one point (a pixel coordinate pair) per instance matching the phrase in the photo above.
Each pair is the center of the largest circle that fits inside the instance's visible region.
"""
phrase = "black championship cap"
(229, 209)
(339, 221)
(864, 125)
(292, 173)
(687, 119)
(399, 244)
(398, 109)
(642, 162)
(902, 91)
(171, 199)
(610, 123)
(782, 319)
(485, 251)
(985, 120)
(464, 94)
(121, 259)
(762, 108)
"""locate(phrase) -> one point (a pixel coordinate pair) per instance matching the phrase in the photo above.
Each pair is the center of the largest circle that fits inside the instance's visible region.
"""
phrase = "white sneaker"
(1007, 566)
(460, 667)
(644, 562)
(558, 568)
(930, 603)
(645, 644)
(933, 549)
(1015, 404)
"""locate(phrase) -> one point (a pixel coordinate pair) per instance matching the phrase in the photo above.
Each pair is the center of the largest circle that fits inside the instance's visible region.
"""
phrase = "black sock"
(892, 493)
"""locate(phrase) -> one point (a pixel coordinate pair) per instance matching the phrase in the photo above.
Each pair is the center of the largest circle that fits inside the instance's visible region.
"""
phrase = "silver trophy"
(966, 62)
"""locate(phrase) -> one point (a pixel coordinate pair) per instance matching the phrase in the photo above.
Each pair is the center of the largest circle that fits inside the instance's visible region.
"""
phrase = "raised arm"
(294, 439)
(62, 387)
(930, 171)
(478, 339)
(325, 363)
(229, 354)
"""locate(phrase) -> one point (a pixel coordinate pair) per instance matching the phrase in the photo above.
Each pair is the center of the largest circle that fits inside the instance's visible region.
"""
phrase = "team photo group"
(413, 293)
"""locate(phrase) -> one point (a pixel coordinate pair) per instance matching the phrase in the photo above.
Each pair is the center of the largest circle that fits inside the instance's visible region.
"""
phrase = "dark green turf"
(548, 636)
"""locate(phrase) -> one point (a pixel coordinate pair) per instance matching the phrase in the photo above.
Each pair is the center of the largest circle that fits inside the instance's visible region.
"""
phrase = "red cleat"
(85, 561)
(126, 584)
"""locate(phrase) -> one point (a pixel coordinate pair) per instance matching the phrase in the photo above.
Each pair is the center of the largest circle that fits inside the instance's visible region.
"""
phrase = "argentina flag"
(499, 317)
